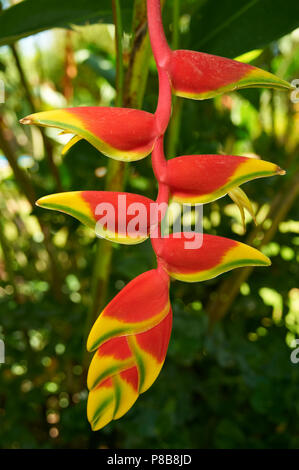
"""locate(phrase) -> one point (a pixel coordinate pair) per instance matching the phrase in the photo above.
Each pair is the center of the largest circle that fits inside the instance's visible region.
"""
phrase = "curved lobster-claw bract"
(131, 338)
(199, 76)
(120, 133)
(116, 216)
(215, 256)
(188, 181)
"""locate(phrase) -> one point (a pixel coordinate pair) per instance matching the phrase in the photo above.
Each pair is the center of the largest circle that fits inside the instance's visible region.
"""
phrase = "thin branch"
(30, 99)
(119, 52)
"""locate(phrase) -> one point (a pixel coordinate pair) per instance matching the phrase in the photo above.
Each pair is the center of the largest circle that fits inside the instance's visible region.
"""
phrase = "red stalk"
(162, 53)
(163, 111)
(163, 194)
(160, 47)
(159, 161)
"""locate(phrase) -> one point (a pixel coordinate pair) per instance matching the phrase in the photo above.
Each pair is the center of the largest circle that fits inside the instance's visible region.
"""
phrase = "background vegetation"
(228, 381)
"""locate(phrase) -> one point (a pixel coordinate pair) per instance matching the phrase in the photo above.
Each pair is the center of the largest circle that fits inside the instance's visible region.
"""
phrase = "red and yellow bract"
(199, 76)
(110, 213)
(131, 337)
(216, 256)
(120, 133)
(188, 182)
(143, 302)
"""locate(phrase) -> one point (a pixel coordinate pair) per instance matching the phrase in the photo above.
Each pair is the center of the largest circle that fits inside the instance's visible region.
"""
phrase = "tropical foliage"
(220, 379)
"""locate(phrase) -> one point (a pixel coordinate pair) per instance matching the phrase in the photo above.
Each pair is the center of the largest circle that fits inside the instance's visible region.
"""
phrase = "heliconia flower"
(199, 76)
(117, 216)
(216, 256)
(200, 179)
(131, 338)
(120, 133)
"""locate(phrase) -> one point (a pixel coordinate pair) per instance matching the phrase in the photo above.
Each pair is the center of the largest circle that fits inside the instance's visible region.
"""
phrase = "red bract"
(120, 133)
(117, 216)
(210, 256)
(148, 293)
(199, 76)
(187, 179)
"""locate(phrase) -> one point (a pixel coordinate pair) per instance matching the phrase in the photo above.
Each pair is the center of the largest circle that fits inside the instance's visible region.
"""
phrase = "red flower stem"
(160, 47)
(162, 271)
(161, 52)
(163, 194)
(163, 111)
(158, 160)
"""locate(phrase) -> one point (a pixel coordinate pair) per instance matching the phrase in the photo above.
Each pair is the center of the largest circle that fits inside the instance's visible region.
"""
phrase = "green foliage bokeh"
(232, 386)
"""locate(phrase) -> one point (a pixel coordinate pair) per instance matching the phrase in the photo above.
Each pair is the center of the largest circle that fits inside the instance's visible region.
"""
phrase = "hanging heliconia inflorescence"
(130, 337)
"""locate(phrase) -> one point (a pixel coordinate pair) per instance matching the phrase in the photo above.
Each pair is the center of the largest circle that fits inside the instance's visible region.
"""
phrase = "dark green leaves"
(231, 27)
(32, 16)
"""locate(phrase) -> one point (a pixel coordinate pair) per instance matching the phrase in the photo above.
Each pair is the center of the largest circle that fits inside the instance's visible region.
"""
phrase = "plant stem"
(174, 128)
(163, 111)
(177, 103)
(46, 141)
(119, 52)
(158, 161)
(137, 72)
(160, 47)
(163, 194)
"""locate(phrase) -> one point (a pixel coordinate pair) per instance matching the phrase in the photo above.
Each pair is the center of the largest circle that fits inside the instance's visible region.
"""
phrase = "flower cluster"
(130, 337)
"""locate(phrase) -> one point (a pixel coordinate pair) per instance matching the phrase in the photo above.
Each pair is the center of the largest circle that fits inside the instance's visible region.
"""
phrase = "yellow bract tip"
(40, 202)
(280, 171)
(68, 199)
(26, 120)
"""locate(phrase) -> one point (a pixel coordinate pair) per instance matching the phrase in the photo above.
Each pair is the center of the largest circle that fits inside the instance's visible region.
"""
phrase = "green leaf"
(32, 16)
(233, 27)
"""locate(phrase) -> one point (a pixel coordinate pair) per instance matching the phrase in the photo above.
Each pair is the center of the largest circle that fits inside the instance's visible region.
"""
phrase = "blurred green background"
(228, 381)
